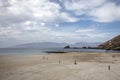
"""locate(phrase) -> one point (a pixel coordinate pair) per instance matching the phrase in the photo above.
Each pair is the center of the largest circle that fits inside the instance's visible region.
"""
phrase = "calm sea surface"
(18, 51)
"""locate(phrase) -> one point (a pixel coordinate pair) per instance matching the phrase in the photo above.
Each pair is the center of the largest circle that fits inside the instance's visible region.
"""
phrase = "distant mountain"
(86, 44)
(54, 45)
(114, 44)
(41, 45)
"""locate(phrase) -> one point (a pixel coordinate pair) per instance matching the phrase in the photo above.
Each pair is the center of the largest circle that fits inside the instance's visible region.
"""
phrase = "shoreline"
(46, 51)
(54, 52)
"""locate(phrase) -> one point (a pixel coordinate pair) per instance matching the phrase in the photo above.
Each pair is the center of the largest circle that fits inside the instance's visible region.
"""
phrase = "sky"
(63, 21)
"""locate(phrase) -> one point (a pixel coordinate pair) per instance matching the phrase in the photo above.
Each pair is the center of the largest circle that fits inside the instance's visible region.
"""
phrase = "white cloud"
(57, 25)
(80, 7)
(13, 11)
(107, 13)
(37, 33)
(34, 20)
(42, 24)
(85, 30)
(28, 20)
(96, 10)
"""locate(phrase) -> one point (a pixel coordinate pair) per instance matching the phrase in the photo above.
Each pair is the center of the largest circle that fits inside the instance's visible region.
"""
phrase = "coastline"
(89, 66)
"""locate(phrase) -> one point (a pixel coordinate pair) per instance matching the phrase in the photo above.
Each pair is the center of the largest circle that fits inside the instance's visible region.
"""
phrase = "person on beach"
(109, 67)
(59, 61)
(75, 62)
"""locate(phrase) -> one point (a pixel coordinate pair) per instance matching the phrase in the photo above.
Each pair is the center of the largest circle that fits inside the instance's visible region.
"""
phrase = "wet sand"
(67, 66)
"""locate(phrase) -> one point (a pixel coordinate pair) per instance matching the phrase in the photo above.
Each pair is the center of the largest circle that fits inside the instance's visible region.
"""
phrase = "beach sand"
(88, 66)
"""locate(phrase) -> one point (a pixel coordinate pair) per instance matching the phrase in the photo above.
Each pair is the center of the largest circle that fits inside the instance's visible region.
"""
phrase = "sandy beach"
(67, 66)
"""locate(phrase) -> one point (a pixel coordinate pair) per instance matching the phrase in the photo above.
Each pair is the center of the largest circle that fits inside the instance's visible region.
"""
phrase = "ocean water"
(22, 51)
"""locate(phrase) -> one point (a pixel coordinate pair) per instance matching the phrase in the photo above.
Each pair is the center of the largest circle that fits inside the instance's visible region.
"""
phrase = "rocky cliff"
(113, 44)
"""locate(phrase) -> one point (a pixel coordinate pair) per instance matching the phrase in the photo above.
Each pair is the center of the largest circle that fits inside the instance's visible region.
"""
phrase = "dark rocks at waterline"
(55, 52)
(67, 47)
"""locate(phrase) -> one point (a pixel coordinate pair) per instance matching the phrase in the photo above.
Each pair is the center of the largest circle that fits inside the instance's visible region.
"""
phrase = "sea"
(25, 51)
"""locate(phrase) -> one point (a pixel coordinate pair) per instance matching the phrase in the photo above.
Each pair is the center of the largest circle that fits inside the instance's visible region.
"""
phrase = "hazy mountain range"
(114, 43)
(54, 45)
(86, 44)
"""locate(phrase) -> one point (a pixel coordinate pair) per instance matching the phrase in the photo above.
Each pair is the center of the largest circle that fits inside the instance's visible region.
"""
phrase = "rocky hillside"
(113, 44)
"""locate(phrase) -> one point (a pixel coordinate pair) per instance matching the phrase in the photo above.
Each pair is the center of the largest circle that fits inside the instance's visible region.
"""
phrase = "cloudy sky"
(71, 21)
